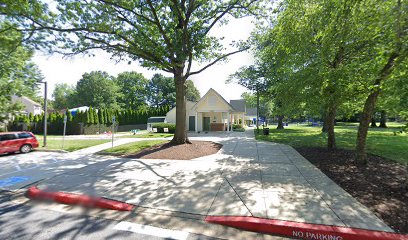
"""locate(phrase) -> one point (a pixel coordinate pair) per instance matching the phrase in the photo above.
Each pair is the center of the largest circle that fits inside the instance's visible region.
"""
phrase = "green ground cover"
(71, 144)
(133, 147)
(146, 134)
(381, 141)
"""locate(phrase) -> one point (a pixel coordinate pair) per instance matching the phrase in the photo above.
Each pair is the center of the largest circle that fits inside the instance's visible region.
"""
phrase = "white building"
(29, 105)
(211, 113)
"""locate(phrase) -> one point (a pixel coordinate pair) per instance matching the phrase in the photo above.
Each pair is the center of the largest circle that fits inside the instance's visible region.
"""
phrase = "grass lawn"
(146, 134)
(133, 147)
(71, 145)
(380, 141)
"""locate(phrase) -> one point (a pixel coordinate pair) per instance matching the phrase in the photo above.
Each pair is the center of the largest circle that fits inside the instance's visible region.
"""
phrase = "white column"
(243, 119)
(196, 122)
(228, 122)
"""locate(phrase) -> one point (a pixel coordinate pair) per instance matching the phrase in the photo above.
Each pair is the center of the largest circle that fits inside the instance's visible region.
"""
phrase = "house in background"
(29, 105)
(211, 113)
(250, 116)
(153, 120)
(74, 111)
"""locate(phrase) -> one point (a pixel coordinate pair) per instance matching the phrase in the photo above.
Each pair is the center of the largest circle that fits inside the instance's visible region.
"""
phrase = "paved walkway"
(246, 178)
(20, 170)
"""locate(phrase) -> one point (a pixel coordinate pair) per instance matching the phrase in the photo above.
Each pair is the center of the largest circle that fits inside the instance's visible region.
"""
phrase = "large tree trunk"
(383, 120)
(280, 122)
(324, 127)
(385, 72)
(373, 123)
(329, 124)
(180, 136)
(365, 119)
(369, 106)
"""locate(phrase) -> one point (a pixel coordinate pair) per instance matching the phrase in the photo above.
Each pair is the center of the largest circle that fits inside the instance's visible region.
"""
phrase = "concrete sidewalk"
(246, 178)
(20, 170)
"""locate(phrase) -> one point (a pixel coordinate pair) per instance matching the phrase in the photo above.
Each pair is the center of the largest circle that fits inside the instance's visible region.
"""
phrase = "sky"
(58, 69)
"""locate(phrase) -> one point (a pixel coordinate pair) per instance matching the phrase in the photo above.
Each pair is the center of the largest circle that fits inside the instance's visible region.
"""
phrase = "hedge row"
(91, 119)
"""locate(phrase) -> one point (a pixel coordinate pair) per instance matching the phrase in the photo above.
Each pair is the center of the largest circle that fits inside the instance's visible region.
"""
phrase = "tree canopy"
(97, 89)
(64, 96)
(18, 74)
(133, 87)
(192, 93)
(333, 57)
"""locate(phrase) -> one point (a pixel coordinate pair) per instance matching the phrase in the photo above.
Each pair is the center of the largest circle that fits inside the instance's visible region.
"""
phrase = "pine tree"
(31, 117)
(100, 115)
(88, 118)
(96, 117)
(109, 116)
(69, 116)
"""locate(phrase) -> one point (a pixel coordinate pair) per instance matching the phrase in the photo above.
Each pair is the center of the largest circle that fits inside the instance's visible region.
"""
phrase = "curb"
(51, 150)
(76, 199)
(302, 230)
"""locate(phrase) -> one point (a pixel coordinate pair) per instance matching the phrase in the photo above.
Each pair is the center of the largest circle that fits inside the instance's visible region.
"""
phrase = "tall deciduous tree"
(161, 91)
(390, 52)
(18, 74)
(252, 78)
(64, 96)
(192, 93)
(313, 44)
(97, 89)
(164, 34)
(133, 87)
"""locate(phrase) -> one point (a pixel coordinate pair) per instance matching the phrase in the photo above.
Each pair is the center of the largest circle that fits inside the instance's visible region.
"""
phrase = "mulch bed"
(178, 152)
(381, 185)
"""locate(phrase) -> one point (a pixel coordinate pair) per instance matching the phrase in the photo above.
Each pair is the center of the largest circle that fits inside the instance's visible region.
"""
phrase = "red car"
(17, 141)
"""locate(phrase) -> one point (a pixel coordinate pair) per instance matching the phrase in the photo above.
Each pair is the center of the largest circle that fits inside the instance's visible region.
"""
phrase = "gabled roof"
(238, 105)
(211, 90)
(26, 99)
(31, 101)
(187, 103)
(251, 111)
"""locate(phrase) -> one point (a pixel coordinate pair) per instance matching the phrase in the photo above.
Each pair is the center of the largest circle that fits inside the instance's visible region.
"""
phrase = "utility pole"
(45, 112)
(257, 109)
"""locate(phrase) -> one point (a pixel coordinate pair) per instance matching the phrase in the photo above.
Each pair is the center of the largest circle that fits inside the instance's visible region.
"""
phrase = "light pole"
(45, 112)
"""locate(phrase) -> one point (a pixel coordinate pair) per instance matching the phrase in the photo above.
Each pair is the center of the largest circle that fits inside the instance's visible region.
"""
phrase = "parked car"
(23, 142)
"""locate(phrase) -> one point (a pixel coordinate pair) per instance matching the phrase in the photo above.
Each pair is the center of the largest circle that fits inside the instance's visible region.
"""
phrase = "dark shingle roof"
(155, 119)
(238, 105)
(251, 111)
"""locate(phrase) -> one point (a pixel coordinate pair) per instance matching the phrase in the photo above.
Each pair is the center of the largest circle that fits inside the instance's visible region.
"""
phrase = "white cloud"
(57, 69)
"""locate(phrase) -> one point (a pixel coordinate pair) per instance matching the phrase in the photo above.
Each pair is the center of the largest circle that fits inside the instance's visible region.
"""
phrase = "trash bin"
(266, 131)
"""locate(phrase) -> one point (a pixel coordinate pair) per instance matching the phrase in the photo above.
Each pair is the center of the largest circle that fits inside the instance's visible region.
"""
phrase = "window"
(6, 137)
(24, 135)
(212, 100)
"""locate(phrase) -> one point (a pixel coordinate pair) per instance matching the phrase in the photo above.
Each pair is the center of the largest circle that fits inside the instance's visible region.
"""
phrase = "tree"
(252, 78)
(64, 96)
(161, 91)
(311, 45)
(265, 103)
(133, 87)
(192, 93)
(18, 75)
(391, 50)
(165, 34)
(97, 89)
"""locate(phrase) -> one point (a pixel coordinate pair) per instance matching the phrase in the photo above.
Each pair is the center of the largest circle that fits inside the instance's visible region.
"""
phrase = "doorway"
(191, 123)
(206, 123)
